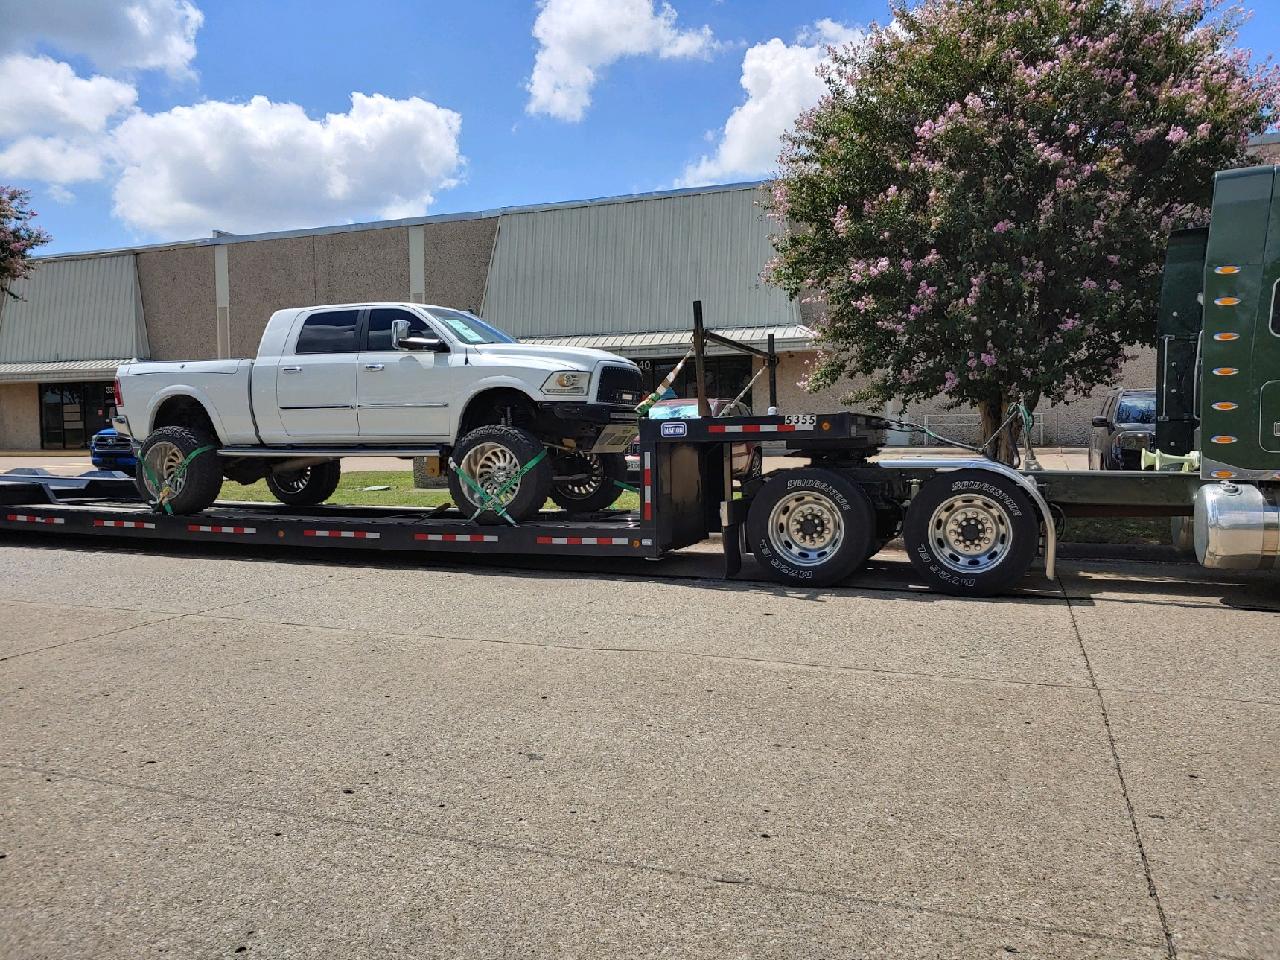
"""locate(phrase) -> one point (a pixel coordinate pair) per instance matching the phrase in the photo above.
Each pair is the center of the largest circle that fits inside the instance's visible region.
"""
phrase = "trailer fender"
(1027, 483)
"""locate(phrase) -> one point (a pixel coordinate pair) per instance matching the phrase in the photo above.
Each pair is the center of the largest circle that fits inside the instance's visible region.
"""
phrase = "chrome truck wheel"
(163, 480)
(810, 527)
(971, 532)
(488, 460)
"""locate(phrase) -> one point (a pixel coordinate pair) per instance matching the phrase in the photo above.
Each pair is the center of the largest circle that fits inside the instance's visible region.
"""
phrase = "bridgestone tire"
(495, 453)
(810, 527)
(163, 452)
(971, 533)
(594, 495)
(306, 487)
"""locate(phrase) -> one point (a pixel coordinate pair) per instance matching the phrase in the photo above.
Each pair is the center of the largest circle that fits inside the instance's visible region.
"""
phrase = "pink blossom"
(989, 359)
(949, 381)
(1004, 226)
(1069, 324)
(1204, 130)
(1176, 135)
(841, 222)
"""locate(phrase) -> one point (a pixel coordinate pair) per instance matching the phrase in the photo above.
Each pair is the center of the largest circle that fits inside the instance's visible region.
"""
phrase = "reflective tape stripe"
(202, 528)
(27, 518)
(647, 487)
(591, 541)
(751, 428)
(344, 534)
(127, 524)
(457, 537)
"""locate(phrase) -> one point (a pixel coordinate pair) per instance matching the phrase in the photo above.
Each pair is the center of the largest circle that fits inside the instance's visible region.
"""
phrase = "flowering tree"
(18, 236)
(983, 197)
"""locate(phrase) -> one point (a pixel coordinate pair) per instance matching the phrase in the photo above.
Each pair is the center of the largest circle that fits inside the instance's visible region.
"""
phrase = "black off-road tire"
(996, 523)
(306, 487)
(601, 492)
(514, 448)
(823, 505)
(200, 482)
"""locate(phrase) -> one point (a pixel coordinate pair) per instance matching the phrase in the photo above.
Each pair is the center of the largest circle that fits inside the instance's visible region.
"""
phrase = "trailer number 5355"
(804, 421)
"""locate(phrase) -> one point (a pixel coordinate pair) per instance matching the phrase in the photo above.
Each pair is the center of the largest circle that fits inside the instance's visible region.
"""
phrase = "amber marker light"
(1227, 301)
(1225, 337)
(1222, 438)
(1225, 405)
(1225, 371)
(1227, 271)
(826, 424)
(1223, 474)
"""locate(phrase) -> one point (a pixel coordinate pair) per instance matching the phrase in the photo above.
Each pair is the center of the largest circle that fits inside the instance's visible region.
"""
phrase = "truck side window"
(333, 331)
(380, 327)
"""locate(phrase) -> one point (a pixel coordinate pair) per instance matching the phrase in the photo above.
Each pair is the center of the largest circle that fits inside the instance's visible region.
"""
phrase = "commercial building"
(618, 273)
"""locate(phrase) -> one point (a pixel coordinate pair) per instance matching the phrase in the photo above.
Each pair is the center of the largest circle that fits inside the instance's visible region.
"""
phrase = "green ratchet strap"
(626, 486)
(489, 501)
(162, 498)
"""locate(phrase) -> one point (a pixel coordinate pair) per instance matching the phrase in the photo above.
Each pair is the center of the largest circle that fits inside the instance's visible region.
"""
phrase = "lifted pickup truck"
(385, 379)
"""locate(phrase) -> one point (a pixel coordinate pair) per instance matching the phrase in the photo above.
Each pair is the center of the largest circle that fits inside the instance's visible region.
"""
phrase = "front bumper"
(601, 414)
(120, 424)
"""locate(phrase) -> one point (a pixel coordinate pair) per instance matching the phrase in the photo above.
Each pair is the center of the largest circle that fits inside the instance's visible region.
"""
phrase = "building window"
(71, 413)
(726, 376)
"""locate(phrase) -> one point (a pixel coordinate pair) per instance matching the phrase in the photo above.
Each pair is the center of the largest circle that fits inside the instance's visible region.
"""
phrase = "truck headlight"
(570, 383)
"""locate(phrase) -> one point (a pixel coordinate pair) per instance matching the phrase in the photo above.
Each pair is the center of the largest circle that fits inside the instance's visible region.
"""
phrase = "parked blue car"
(110, 451)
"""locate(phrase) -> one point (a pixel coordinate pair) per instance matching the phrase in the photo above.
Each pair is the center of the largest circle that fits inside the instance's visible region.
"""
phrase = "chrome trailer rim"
(806, 528)
(163, 460)
(970, 533)
(491, 466)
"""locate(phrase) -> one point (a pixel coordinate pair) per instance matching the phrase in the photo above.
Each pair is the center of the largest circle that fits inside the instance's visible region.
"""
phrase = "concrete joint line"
(1170, 946)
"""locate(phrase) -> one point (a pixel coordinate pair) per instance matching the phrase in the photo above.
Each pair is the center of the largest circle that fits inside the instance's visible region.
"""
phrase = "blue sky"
(453, 129)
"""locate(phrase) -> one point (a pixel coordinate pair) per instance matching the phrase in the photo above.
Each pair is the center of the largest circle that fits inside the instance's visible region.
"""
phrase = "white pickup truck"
(385, 379)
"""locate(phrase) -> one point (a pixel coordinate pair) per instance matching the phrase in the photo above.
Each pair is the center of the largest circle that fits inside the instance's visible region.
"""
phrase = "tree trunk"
(1002, 446)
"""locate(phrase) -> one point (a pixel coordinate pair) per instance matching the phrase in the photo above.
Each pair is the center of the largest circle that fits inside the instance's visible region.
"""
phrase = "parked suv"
(108, 450)
(1126, 427)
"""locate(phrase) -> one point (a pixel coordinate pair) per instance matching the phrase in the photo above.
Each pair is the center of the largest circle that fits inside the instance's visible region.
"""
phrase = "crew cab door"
(316, 382)
(402, 393)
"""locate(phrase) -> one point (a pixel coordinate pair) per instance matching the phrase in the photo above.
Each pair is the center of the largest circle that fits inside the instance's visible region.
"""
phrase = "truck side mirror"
(401, 339)
(1101, 422)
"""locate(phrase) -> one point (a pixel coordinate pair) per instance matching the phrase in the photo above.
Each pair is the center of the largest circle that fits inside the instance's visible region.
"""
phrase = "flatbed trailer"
(972, 526)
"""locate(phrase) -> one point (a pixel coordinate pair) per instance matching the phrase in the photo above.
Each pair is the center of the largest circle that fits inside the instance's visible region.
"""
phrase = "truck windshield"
(468, 328)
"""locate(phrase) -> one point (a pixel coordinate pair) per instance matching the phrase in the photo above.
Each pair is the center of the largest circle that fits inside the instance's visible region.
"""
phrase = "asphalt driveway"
(211, 754)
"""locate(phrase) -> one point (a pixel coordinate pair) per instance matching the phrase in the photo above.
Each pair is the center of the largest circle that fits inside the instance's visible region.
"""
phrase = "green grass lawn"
(402, 493)
(1141, 530)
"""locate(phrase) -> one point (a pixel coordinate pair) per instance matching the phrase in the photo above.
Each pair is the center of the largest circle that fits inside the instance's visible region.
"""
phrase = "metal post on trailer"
(699, 360)
(773, 377)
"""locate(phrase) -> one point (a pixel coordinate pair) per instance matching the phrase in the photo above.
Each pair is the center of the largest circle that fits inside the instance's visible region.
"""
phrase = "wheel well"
(184, 412)
(501, 405)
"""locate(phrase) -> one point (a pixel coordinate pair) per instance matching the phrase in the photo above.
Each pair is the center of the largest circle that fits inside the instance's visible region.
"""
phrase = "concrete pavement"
(217, 752)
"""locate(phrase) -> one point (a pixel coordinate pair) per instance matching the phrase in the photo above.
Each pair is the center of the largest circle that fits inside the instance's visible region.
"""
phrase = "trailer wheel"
(587, 482)
(810, 527)
(306, 487)
(160, 469)
(971, 533)
(491, 456)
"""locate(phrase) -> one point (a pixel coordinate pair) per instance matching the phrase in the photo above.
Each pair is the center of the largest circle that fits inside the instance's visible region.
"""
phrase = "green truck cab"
(1218, 377)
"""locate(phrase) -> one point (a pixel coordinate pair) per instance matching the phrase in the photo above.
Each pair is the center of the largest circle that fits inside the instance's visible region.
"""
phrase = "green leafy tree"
(982, 199)
(18, 237)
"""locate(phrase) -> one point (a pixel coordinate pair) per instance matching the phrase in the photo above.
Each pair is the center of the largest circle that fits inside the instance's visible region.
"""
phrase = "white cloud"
(579, 38)
(781, 81)
(40, 96)
(114, 34)
(52, 159)
(262, 165)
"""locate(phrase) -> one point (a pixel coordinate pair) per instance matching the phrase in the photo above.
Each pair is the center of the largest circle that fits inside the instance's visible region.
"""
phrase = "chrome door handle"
(373, 366)
(290, 369)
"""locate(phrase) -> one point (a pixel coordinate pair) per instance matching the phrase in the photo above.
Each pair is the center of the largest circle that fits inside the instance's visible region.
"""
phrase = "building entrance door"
(71, 413)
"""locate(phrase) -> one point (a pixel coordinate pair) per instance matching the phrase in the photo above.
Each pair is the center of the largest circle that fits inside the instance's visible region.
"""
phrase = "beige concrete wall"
(265, 276)
(19, 416)
(1067, 424)
(368, 265)
(178, 303)
(457, 255)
